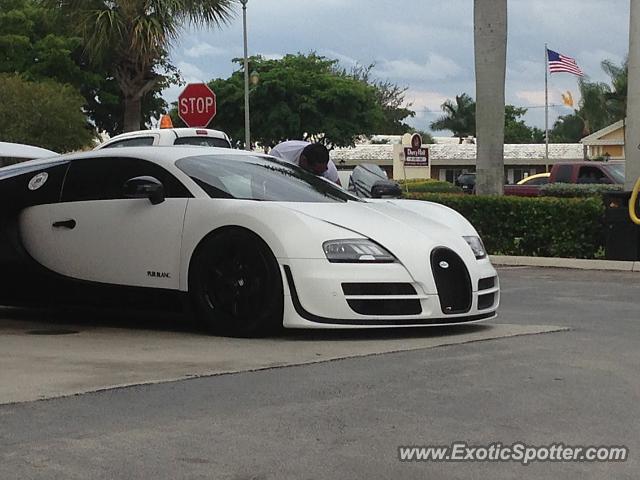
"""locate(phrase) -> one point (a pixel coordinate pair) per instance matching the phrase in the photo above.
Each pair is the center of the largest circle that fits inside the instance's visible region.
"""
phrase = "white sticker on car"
(39, 180)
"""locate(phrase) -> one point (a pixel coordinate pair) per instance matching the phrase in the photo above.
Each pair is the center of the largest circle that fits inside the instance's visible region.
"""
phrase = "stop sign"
(197, 105)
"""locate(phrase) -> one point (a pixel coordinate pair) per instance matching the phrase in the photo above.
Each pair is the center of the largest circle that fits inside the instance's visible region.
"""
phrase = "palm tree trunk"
(632, 124)
(132, 113)
(490, 42)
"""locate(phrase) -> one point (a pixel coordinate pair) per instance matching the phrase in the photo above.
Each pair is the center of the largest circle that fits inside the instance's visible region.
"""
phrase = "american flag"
(561, 63)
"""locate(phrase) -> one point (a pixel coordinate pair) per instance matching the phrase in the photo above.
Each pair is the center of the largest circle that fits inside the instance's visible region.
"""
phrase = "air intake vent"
(378, 289)
(486, 283)
(452, 281)
(386, 307)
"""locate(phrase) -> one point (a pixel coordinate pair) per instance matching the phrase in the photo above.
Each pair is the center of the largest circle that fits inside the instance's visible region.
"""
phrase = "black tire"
(235, 285)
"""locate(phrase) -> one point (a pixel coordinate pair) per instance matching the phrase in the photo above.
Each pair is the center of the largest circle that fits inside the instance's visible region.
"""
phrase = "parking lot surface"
(346, 418)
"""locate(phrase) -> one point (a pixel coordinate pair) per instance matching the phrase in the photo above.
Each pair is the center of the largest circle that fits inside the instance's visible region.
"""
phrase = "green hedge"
(428, 185)
(531, 226)
(577, 190)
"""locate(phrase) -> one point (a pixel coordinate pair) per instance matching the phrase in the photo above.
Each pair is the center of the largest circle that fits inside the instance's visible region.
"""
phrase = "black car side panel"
(25, 282)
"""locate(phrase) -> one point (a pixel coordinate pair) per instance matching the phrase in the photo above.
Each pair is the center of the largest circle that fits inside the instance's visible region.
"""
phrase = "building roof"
(456, 153)
(596, 137)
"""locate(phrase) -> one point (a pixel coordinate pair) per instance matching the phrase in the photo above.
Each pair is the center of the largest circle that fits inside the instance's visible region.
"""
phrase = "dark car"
(467, 181)
(370, 181)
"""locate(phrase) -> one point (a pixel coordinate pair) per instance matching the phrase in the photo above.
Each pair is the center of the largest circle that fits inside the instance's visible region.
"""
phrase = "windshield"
(259, 178)
(616, 171)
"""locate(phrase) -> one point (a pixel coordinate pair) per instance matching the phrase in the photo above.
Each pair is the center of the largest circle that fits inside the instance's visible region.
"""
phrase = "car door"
(96, 234)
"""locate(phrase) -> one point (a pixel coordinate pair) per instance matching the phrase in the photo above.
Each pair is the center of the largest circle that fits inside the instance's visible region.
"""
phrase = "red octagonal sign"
(197, 105)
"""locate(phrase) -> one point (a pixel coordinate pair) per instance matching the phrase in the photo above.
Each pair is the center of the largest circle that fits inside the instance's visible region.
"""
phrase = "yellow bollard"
(632, 203)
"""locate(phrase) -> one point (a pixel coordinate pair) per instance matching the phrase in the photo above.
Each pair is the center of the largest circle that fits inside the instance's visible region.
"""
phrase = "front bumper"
(315, 298)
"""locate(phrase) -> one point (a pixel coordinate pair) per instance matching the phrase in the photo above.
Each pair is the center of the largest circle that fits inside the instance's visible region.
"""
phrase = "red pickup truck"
(574, 172)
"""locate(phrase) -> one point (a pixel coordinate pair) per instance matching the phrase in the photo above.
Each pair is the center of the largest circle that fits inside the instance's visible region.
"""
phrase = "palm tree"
(593, 109)
(459, 117)
(490, 45)
(134, 37)
(616, 99)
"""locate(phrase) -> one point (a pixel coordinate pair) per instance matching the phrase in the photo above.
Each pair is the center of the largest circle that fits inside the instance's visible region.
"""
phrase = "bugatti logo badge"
(443, 264)
(39, 180)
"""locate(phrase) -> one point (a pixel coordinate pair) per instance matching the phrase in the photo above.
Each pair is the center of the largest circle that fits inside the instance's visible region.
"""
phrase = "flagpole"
(546, 105)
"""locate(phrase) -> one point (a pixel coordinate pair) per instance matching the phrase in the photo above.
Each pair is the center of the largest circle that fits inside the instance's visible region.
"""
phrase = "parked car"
(11, 153)
(370, 181)
(574, 172)
(467, 181)
(203, 137)
(537, 179)
(250, 241)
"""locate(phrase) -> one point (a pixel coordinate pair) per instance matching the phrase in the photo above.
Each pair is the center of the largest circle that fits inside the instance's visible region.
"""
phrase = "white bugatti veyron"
(249, 241)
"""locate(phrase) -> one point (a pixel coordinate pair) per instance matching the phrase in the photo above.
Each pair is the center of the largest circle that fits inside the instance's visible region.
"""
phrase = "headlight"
(356, 251)
(476, 245)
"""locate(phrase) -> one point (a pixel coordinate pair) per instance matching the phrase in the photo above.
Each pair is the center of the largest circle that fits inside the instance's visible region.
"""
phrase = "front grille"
(378, 289)
(486, 283)
(452, 281)
(386, 307)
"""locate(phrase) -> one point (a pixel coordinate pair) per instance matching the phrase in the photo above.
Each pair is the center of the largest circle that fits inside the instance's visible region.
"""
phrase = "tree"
(134, 37)
(616, 98)
(391, 97)
(516, 131)
(37, 43)
(459, 117)
(50, 114)
(567, 129)
(593, 106)
(299, 97)
(490, 46)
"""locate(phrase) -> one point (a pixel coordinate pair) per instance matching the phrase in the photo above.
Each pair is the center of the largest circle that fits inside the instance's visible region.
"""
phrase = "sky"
(424, 45)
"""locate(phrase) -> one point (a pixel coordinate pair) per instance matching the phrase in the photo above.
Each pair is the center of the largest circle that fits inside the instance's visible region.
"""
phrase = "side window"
(132, 142)
(104, 178)
(564, 174)
(31, 185)
(591, 175)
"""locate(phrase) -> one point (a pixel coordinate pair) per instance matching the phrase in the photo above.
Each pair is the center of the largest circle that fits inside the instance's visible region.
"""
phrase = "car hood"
(409, 233)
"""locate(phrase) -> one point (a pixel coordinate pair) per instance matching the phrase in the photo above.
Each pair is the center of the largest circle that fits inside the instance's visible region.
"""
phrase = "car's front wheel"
(235, 284)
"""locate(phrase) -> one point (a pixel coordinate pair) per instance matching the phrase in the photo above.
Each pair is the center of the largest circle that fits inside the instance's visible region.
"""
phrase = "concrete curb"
(578, 263)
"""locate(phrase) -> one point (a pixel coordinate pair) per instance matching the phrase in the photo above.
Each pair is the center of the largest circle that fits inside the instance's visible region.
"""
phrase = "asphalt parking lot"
(559, 365)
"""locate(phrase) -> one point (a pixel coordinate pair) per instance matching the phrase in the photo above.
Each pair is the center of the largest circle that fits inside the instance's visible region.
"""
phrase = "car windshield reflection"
(259, 178)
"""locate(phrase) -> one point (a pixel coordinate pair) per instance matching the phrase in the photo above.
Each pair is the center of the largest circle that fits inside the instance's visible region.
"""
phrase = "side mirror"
(144, 187)
(386, 189)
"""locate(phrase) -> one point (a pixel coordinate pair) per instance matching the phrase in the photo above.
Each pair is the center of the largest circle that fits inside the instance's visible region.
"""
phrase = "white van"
(169, 136)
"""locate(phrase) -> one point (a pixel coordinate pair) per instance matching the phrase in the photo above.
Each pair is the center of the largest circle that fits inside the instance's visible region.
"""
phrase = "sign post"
(197, 105)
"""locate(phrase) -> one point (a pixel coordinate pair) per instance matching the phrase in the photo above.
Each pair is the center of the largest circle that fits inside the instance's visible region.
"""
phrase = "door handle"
(70, 224)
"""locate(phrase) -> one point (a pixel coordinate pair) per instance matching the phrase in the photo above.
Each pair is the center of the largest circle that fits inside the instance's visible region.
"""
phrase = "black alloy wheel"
(236, 285)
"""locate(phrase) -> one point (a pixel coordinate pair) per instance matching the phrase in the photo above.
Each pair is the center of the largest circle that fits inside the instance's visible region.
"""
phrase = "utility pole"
(247, 122)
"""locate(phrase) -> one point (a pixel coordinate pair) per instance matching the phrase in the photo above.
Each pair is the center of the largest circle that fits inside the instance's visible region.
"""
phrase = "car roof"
(19, 150)
(168, 154)
(178, 132)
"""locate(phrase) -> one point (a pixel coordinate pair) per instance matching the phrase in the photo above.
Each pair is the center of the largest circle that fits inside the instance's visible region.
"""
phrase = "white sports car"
(251, 243)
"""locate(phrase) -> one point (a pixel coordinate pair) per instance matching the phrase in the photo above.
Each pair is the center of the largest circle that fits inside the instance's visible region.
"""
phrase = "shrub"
(428, 185)
(531, 226)
(46, 114)
(577, 190)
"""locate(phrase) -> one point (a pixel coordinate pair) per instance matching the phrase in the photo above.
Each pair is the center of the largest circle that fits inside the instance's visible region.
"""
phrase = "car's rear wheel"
(235, 284)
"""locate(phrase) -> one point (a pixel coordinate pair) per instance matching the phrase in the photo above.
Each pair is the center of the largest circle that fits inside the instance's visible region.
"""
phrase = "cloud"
(531, 97)
(436, 67)
(191, 73)
(204, 49)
